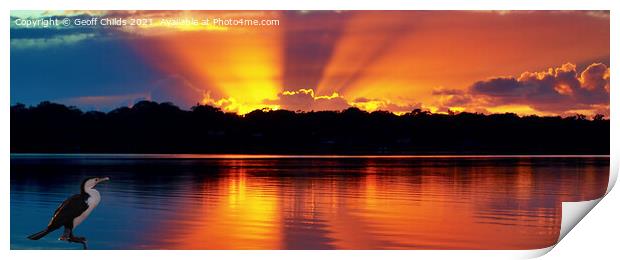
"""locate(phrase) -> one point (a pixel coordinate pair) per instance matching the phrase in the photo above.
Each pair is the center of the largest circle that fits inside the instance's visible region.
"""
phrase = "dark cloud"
(456, 100)
(445, 91)
(557, 90)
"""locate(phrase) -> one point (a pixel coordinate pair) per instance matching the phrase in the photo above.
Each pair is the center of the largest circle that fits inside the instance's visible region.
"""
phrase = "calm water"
(237, 202)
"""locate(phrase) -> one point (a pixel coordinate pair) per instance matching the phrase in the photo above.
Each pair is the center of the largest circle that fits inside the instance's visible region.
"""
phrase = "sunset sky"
(537, 62)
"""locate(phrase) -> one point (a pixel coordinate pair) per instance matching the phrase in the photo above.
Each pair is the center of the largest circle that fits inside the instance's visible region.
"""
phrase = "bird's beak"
(104, 179)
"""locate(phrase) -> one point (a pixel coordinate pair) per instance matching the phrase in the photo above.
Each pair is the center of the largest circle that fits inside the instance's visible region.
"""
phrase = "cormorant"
(73, 211)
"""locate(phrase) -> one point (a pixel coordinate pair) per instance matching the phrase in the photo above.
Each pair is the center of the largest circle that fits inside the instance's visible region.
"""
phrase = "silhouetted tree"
(151, 127)
(598, 117)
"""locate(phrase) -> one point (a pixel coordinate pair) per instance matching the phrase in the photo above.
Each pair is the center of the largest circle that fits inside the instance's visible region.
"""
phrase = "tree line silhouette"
(150, 127)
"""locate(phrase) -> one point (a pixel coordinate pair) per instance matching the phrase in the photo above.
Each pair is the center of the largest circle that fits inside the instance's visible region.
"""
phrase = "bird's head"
(91, 182)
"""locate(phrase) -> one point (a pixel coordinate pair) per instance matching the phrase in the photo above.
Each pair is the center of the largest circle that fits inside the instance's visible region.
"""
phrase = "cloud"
(231, 104)
(445, 91)
(306, 100)
(47, 30)
(595, 77)
(375, 104)
(104, 103)
(25, 43)
(175, 89)
(297, 100)
(43, 35)
(556, 90)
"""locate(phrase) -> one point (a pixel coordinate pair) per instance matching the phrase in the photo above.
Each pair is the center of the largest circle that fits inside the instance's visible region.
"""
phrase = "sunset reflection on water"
(353, 203)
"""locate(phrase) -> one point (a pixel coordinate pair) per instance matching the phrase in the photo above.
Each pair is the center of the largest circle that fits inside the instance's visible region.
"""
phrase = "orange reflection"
(383, 205)
(238, 213)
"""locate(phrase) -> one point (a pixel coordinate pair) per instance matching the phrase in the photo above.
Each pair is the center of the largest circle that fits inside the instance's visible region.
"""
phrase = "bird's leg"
(69, 237)
(75, 239)
(81, 240)
(66, 235)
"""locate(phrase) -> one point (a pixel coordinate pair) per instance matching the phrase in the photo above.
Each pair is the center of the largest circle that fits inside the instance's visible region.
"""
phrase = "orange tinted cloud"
(306, 100)
(404, 55)
(559, 90)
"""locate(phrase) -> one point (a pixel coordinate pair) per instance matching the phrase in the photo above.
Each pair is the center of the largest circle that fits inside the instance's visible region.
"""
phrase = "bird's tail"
(39, 234)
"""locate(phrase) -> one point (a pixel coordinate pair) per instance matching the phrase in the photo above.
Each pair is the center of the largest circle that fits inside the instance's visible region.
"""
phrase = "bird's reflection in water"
(306, 203)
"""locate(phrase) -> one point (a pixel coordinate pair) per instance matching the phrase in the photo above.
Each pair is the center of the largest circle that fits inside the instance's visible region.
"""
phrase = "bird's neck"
(91, 192)
(92, 198)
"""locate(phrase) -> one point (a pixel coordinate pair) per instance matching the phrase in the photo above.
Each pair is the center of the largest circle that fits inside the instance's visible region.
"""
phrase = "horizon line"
(268, 109)
(292, 156)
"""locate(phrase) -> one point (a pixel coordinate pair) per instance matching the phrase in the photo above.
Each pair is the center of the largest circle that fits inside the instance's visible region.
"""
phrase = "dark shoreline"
(154, 128)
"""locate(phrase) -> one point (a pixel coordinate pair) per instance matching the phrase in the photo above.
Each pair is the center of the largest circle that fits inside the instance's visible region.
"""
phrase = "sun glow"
(232, 105)
(517, 109)
(238, 68)
(331, 60)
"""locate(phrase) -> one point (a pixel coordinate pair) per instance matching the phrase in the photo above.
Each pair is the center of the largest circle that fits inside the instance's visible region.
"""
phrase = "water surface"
(312, 202)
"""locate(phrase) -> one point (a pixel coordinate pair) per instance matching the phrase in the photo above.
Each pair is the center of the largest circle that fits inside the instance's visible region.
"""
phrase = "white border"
(288, 5)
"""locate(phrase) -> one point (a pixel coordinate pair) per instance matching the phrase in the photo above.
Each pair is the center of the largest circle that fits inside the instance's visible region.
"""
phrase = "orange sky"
(374, 59)
(387, 60)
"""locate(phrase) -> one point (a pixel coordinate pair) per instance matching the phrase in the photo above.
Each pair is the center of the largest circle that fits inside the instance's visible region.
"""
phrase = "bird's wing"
(68, 210)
